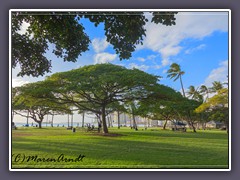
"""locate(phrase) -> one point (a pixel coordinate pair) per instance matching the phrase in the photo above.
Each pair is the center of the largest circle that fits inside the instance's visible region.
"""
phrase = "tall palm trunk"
(182, 86)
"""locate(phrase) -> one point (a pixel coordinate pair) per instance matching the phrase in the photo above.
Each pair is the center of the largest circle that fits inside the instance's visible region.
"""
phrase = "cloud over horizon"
(166, 39)
(16, 82)
(104, 58)
(218, 74)
(99, 45)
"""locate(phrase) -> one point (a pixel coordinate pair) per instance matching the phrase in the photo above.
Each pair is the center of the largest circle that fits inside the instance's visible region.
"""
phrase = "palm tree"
(176, 73)
(194, 93)
(217, 85)
(204, 91)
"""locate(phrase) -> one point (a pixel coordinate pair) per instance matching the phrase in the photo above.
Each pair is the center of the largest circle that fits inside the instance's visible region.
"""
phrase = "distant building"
(127, 120)
(214, 124)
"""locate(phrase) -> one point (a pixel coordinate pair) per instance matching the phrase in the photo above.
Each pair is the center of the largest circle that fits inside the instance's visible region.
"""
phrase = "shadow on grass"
(122, 152)
(178, 134)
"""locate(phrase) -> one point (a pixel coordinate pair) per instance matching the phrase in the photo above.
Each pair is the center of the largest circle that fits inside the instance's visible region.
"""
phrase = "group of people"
(91, 127)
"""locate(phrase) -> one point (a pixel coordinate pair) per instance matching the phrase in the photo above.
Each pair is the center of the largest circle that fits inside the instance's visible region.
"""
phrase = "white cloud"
(141, 59)
(104, 58)
(166, 39)
(23, 28)
(18, 82)
(151, 57)
(157, 67)
(200, 47)
(165, 62)
(218, 74)
(99, 45)
(141, 67)
(169, 51)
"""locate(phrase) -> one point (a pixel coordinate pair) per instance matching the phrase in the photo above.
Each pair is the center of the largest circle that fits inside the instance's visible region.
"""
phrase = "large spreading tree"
(97, 88)
(124, 30)
(30, 101)
(160, 105)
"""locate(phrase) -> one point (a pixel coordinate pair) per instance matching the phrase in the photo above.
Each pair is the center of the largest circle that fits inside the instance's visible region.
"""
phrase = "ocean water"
(44, 124)
(61, 124)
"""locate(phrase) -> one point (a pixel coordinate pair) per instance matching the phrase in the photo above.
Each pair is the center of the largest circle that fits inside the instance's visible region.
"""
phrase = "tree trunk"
(182, 86)
(39, 124)
(165, 124)
(12, 115)
(68, 120)
(193, 127)
(83, 119)
(125, 117)
(227, 126)
(104, 124)
(118, 114)
(72, 120)
(111, 120)
(191, 122)
(27, 117)
(108, 122)
(134, 122)
(175, 125)
(130, 121)
(148, 121)
(52, 120)
(203, 126)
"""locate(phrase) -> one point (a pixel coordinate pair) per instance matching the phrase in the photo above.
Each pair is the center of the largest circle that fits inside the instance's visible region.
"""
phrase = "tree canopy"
(124, 30)
(96, 88)
(217, 101)
(31, 101)
(217, 107)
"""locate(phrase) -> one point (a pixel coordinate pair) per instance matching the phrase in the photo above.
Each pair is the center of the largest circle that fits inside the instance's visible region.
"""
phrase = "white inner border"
(116, 10)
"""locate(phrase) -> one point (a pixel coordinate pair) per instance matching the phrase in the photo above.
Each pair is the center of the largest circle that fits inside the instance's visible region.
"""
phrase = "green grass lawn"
(153, 148)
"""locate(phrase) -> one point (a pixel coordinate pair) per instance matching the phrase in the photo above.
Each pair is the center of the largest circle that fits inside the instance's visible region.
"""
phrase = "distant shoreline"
(62, 124)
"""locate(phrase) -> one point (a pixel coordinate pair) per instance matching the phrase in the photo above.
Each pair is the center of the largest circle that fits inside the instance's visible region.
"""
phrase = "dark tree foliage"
(31, 101)
(124, 30)
(99, 88)
(29, 50)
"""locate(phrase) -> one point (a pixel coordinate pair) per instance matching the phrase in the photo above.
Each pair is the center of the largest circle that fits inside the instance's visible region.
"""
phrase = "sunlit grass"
(126, 148)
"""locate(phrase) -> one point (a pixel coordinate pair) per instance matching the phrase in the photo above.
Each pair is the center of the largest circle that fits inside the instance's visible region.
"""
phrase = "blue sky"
(198, 43)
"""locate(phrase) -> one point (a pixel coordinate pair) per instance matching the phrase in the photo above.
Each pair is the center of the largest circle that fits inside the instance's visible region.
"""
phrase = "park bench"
(92, 129)
(183, 129)
(179, 126)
